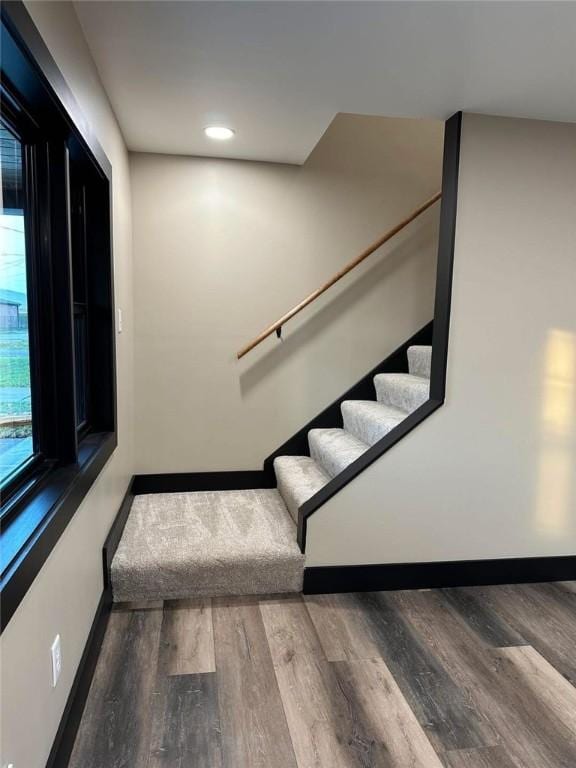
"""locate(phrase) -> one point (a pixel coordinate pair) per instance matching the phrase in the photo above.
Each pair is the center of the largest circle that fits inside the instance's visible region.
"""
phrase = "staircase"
(365, 422)
(210, 542)
(178, 545)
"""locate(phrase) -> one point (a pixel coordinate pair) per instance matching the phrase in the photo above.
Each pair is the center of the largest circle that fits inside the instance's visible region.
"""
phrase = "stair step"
(420, 360)
(369, 420)
(298, 479)
(334, 449)
(182, 545)
(402, 390)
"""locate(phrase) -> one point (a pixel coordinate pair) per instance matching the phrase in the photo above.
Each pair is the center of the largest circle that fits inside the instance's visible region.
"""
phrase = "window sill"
(30, 536)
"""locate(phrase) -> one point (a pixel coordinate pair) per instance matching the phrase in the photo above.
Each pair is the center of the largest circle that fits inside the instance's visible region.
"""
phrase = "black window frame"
(26, 131)
(60, 152)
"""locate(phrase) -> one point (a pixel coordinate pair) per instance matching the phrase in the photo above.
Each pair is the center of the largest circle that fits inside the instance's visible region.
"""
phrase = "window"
(55, 295)
(16, 421)
(79, 295)
(57, 379)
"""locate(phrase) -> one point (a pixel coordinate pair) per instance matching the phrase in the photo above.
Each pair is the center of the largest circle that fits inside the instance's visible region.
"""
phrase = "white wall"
(224, 248)
(64, 596)
(492, 473)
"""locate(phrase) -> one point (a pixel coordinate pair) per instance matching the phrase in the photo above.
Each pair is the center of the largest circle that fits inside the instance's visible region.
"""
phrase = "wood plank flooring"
(457, 678)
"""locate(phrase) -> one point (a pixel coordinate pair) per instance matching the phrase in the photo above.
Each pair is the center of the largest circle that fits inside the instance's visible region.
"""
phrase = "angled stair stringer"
(332, 416)
(353, 431)
(371, 427)
(406, 391)
(400, 430)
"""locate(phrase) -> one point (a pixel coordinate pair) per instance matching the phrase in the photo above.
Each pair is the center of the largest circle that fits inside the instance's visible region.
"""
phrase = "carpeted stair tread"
(401, 390)
(369, 420)
(420, 360)
(298, 478)
(334, 449)
(178, 545)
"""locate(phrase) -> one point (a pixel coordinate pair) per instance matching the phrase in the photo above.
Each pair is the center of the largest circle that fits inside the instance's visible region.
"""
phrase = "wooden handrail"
(339, 275)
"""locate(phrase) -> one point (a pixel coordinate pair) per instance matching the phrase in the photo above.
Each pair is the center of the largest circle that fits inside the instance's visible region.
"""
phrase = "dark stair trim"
(356, 467)
(442, 305)
(326, 579)
(397, 362)
(183, 482)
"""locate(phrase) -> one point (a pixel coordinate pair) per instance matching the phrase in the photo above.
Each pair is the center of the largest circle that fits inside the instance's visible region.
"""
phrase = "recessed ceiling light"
(218, 132)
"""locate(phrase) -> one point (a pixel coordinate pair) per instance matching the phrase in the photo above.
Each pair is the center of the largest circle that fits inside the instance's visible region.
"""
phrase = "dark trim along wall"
(69, 723)
(460, 573)
(440, 335)
(115, 534)
(397, 362)
(72, 715)
(182, 482)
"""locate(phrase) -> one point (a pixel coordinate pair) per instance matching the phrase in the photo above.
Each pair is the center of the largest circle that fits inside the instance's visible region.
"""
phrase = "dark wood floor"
(461, 678)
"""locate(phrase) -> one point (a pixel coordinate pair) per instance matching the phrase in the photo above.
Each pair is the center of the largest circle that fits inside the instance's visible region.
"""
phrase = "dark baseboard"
(66, 734)
(181, 482)
(459, 573)
(64, 742)
(115, 533)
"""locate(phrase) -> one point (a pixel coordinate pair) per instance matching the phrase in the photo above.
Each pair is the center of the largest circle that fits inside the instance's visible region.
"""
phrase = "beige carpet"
(179, 545)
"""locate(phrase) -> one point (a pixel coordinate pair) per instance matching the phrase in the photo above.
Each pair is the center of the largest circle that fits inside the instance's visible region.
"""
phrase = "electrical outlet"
(56, 651)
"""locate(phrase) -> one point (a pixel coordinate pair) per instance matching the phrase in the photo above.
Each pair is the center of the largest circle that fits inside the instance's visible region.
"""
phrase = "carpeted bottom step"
(178, 545)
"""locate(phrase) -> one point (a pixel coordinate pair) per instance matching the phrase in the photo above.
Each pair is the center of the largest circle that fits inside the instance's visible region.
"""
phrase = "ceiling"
(278, 72)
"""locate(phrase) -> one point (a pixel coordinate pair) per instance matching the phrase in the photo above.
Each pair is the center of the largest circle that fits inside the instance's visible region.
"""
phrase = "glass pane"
(78, 229)
(81, 362)
(78, 232)
(16, 442)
